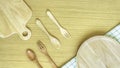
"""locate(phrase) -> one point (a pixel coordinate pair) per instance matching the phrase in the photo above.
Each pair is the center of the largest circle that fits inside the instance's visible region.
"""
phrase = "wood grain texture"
(99, 52)
(82, 18)
(14, 15)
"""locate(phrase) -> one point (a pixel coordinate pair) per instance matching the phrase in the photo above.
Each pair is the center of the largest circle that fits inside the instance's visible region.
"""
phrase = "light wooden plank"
(82, 18)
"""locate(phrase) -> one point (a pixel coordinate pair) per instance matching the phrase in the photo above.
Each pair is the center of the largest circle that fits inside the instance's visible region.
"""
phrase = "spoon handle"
(40, 25)
(38, 64)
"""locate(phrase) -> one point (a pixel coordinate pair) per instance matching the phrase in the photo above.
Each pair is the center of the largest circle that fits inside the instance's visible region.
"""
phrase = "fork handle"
(51, 61)
(51, 16)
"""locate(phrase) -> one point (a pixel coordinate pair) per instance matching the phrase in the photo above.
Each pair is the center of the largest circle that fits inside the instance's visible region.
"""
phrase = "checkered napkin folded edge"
(114, 33)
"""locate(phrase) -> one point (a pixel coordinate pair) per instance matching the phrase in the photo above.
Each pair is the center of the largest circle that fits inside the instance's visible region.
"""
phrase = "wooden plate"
(99, 52)
(14, 15)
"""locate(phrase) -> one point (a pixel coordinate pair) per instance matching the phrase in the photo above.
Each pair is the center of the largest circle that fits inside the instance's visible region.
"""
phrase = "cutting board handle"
(25, 34)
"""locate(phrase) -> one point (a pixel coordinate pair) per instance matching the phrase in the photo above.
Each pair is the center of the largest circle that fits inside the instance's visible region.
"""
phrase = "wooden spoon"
(52, 38)
(32, 56)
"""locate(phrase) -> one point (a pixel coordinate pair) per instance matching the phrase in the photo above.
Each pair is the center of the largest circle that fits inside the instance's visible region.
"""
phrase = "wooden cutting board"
(99, 52)
(14, 15)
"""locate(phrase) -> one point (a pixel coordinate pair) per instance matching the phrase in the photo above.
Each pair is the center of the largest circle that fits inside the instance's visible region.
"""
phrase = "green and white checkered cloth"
(114, 33)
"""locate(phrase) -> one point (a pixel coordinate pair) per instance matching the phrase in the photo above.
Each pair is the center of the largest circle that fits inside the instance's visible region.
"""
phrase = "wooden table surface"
(82, 18)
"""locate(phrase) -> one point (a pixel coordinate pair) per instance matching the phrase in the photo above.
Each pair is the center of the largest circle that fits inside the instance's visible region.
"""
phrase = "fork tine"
(40, 44)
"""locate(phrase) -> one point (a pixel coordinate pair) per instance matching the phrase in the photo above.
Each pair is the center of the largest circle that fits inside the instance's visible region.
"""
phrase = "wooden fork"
(43, 49)
(63, 31)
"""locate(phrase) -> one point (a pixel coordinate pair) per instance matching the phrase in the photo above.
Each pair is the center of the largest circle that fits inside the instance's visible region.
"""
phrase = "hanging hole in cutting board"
(25, 33)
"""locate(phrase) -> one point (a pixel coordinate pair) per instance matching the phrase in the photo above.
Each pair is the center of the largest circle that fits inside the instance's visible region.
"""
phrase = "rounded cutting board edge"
(14, 15)
(99, 52)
